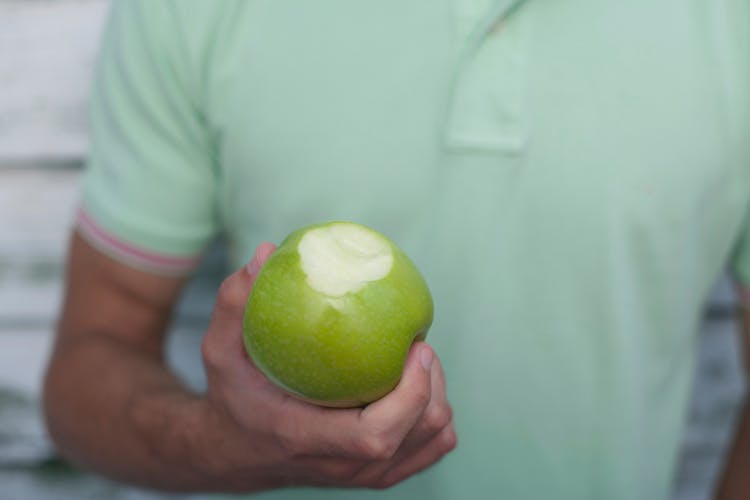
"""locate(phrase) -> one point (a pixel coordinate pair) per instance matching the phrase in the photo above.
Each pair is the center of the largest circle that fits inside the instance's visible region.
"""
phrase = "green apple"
(333, 313)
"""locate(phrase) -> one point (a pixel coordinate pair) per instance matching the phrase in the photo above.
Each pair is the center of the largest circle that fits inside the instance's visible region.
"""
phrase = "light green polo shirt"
(570, 175)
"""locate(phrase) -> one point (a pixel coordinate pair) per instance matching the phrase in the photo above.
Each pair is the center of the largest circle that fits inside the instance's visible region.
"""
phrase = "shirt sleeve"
(149, 191)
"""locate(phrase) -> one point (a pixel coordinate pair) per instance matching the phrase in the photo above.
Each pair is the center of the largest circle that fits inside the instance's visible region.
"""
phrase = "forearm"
(112, 409)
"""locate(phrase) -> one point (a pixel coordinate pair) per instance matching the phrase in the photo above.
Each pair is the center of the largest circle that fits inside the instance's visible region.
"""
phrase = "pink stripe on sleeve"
(130, 254)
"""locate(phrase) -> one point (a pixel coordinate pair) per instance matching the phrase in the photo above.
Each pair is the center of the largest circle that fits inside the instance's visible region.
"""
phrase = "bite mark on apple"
(342, 258)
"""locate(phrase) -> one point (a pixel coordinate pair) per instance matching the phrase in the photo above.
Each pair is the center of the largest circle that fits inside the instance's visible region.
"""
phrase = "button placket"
(487, 108)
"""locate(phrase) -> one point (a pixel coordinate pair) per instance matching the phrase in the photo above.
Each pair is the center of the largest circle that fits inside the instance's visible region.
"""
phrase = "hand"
(265, 438)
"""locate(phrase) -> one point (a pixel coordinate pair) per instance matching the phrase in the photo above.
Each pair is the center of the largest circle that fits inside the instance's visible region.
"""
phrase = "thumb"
(223, 340)
(235, 289)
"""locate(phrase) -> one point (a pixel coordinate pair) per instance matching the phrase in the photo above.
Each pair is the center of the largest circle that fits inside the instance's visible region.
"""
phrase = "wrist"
(222, 453)
(172, 429)
(205, 440)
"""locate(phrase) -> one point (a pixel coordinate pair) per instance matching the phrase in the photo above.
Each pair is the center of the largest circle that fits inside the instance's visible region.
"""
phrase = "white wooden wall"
(47, 51)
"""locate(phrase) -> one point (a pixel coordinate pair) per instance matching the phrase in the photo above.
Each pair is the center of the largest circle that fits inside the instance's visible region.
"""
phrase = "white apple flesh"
(333, 313)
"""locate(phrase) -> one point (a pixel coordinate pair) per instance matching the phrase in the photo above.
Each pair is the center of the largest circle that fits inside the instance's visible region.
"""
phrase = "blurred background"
(47, 53)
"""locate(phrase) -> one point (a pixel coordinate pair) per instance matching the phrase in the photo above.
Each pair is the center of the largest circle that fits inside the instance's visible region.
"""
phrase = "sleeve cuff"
(132, 255)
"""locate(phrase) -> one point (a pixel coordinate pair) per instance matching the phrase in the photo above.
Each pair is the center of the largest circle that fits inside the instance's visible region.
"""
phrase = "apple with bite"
(333, 312)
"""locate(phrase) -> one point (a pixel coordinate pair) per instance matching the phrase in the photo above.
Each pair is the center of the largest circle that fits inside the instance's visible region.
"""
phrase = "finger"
(438, 413)
(372, 434)
(439, 390)
(234, 291)
(223, 340)
(435, 417)
(440, 445)
(396, 414)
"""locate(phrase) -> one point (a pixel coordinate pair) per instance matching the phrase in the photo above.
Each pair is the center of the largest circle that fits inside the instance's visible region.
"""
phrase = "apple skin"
(342, 351)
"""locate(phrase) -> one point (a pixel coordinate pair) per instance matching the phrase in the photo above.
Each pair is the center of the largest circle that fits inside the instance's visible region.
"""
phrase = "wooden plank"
(23, 357)
(36, 212)
(716, 397)
(47, 53)
(36, 209)
(723, 299)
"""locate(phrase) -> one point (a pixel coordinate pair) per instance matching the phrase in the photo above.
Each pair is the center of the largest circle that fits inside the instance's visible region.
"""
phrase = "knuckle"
(378, 446)
(288, 437)
(232, 294)
(211, 353)
(438, 416)
(448, 440)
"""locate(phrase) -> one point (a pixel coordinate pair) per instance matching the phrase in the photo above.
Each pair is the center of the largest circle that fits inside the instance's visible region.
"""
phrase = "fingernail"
(425, 357)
